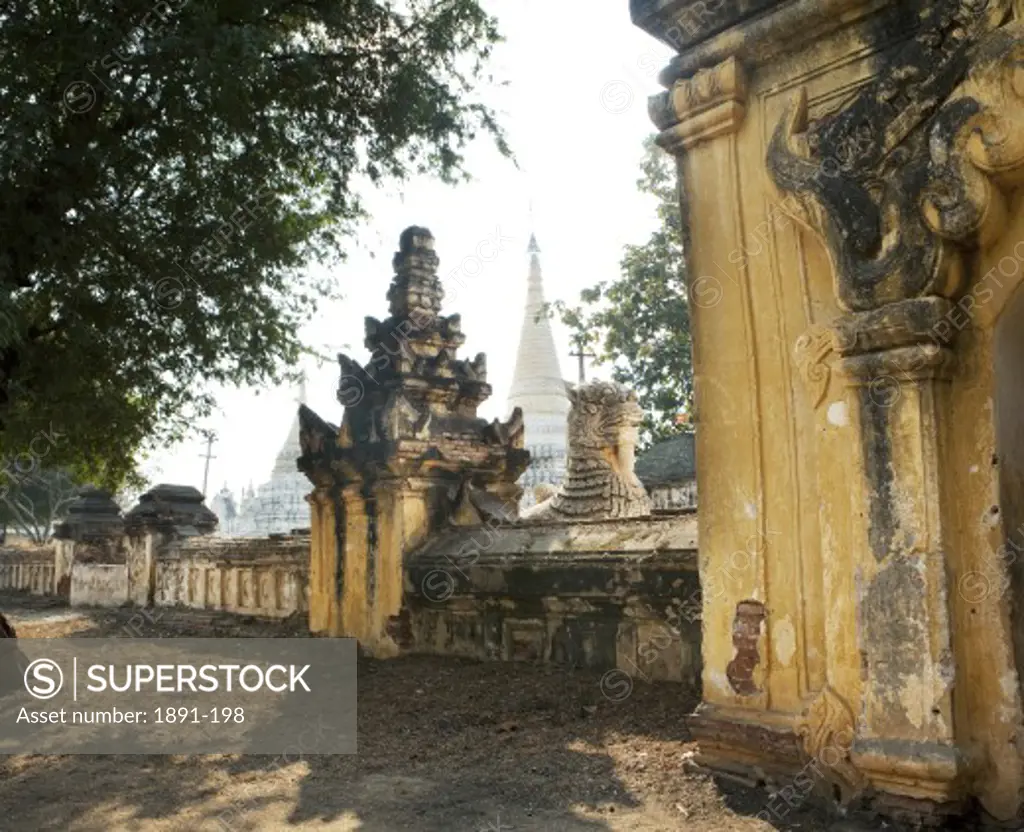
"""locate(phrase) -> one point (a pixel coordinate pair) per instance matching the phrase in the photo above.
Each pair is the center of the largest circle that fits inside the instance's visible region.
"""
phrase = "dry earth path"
(444, 746)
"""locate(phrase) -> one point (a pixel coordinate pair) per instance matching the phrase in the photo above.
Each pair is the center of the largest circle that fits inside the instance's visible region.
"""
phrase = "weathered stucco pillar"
(358, 565)
(850, 172)
(409, 445)
(325, 576)
(163, 513)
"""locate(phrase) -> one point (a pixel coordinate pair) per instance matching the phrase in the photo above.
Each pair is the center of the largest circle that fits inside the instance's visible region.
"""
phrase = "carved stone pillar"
(902, 644)
(358, 586)
(702, 121)
(851, 172)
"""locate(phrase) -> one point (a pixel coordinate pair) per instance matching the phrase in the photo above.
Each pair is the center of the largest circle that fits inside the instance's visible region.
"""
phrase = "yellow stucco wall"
(820, 430)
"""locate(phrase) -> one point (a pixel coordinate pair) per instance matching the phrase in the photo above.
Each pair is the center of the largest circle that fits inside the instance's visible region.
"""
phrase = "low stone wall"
(27, 569)
(603, 595)
(674, 497)
(256, 576)
(99, 585)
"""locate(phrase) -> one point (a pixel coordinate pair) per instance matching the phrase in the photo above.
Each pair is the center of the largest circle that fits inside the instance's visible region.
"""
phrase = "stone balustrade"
(266, 577)
(27, 570)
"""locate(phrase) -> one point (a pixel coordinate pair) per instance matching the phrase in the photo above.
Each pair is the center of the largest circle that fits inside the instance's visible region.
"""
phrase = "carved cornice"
(886, 372)
(758, 39)
(901, 342)
(710, 104)
(827, 730)
(904, 340)
(911, 172)
(683, 23)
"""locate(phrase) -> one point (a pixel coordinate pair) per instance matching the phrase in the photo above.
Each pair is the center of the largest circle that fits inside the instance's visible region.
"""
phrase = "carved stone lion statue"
(599, 481)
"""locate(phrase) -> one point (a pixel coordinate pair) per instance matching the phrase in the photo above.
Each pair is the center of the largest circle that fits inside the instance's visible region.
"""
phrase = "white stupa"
(279, 505)
(539, 389)
(223, 505)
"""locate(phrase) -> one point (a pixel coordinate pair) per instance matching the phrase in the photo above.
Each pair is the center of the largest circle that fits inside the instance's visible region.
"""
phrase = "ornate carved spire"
(413, 406)
(415, 290)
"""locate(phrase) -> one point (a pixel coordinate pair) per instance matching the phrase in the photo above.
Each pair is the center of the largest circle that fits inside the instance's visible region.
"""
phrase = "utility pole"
(210, 439)
(582, 355)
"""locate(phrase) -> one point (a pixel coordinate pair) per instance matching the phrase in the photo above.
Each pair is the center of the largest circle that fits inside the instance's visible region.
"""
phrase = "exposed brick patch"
(399, 628)
(746, 630)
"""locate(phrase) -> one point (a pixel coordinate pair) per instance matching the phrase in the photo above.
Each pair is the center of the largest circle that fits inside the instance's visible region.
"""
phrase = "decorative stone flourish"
(812, 351)
(600, 482)
(826, 730)
(911, 172)
(171, 508)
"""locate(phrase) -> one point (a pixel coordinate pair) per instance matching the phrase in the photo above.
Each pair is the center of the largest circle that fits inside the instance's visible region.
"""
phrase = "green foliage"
(639, 324)
(166, 172)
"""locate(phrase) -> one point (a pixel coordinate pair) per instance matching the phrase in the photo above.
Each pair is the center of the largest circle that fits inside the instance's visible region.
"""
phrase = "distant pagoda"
(277, 506)
(538, 388)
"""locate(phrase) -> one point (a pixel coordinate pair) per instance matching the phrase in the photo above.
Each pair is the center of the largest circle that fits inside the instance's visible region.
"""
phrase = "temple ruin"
(845, 598)
(410, 448)
(417, 544)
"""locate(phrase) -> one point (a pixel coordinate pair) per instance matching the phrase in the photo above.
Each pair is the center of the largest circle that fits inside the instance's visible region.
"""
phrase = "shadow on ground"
(444, 744)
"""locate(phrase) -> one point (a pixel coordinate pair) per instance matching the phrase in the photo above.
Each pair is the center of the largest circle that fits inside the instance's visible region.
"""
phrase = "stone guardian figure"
(599, 483)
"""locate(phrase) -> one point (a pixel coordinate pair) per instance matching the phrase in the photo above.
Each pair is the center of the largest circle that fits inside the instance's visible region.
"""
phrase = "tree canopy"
(166, 172)
(639, 323)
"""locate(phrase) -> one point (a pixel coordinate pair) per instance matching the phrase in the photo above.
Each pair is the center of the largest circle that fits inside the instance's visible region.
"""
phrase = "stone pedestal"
(92, 528)
(851, 173)
(165, 512)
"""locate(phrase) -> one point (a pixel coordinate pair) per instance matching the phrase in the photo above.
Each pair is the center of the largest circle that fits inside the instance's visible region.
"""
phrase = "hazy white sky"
(576, 114)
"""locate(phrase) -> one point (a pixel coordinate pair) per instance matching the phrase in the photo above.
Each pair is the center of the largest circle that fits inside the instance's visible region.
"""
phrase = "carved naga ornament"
(916, 168)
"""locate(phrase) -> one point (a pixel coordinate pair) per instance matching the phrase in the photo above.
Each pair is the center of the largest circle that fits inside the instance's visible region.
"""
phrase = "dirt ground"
(444, 745)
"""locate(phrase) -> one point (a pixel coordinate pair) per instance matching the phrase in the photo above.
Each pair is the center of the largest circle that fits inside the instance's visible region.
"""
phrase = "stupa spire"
(537, 383)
